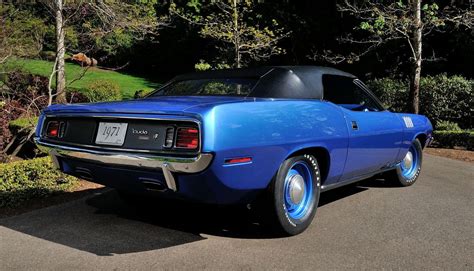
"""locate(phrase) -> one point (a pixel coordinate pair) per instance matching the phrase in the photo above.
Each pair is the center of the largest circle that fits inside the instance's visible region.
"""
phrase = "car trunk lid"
(154, 105)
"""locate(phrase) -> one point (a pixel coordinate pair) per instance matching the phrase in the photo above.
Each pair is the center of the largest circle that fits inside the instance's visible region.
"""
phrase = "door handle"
(354, 125)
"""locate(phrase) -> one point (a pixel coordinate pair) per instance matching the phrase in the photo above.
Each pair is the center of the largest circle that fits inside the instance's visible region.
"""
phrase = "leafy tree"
(109, 24)
(407, 20)
(235, 26)
(21, 33)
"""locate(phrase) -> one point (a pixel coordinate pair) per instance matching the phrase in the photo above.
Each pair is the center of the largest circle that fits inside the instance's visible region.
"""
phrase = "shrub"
(450, 139)
(23, 124)
(21, 128)
(446, 125)
(11, 110)
(21, 84)
(102, 90)
(447, 98)
(442, 98)
(393, 93)
(24, 180)
(141, 93)
(48, 55)
(77, 96)
(27, 90)
(202, 66)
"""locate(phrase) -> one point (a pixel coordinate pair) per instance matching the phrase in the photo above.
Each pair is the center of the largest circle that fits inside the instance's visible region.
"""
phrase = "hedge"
(442, 97)
(29, 179)
(450, 139)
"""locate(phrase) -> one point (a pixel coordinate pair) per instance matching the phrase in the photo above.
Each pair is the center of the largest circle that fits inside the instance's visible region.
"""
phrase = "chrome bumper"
(166, 164)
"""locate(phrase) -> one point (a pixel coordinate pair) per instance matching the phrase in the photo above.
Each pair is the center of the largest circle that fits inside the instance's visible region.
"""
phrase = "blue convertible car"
(227, 136)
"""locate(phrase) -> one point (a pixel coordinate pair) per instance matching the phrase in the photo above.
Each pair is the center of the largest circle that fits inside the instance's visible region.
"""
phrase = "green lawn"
(128, 84)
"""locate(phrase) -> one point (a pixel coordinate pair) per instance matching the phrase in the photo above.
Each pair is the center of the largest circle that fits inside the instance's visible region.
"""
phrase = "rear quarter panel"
(419, 126)
(269, 131)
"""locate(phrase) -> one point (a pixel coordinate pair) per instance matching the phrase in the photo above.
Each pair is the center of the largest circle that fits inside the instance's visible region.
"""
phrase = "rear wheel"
(294, 194)
(409, 168)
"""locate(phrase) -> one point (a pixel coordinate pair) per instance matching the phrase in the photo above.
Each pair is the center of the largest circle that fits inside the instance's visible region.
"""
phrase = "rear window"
(208, 87)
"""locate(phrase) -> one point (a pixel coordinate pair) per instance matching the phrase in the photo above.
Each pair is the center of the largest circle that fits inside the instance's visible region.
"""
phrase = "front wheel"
(294, 194)
(409, 168)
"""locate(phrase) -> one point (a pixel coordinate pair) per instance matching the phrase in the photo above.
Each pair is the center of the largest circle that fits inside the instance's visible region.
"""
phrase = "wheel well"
(422, 138)
(322, 155)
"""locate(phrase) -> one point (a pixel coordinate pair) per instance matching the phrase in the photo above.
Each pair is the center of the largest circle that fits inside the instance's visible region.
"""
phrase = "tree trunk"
(417, 47)
(60, 51)
(235, 18)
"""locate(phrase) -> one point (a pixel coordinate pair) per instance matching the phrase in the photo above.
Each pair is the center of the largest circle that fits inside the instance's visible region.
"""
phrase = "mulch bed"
(458, 154)
(85, 188)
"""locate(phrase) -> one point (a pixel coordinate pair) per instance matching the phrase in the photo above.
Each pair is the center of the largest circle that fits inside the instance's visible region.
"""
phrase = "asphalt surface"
(367, 226)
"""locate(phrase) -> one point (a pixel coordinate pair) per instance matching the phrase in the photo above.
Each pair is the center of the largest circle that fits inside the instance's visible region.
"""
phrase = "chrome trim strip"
(165, 163)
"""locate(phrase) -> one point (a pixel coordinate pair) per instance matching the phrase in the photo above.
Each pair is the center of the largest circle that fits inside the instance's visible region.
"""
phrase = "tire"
(294, 195)
(407, 171)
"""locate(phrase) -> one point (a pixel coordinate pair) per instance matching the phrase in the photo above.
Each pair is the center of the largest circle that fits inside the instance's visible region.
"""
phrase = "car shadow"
(376, 182)
(340, 193)
(81, 226)
(105, 224)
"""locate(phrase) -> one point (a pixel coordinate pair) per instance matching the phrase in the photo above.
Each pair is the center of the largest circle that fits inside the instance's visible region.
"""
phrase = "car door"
(375, 134)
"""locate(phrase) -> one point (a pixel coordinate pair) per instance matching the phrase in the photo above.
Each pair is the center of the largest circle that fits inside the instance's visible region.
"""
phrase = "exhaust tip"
(84, 173)
(153, 184)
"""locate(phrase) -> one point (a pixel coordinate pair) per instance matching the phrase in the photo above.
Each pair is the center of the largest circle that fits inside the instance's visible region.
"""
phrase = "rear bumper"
(167, 164)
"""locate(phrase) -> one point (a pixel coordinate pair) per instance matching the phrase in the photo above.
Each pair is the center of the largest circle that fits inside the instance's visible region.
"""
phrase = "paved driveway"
(365, 226)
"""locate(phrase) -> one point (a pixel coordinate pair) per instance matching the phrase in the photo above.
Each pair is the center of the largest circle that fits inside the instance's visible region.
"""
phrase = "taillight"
(52, 130)
(56, 129)
(187, 138)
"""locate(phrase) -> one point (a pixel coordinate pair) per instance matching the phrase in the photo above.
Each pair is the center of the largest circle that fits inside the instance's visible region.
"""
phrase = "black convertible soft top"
(294, 82)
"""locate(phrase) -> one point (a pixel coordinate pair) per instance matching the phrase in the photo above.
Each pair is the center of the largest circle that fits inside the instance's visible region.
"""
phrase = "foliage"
(141, 93)
(128, 84)
(103, 90)
(442, 97)
(23, 95)
(446, 125)
(235, 27)
(27, 90)
(105, 28)
(22, 85)
(21, 32)
(9, 111)
(75, 96)
(448, 98)
(381, 22)
(392, 93)
(450, 139)
(202, 66)
(25, 180)
(22, 124)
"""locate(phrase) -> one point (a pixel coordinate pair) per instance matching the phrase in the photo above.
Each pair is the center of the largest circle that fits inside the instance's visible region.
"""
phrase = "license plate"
(111, 133)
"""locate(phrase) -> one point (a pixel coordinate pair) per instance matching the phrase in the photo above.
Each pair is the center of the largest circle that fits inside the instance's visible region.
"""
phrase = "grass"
(128, 84)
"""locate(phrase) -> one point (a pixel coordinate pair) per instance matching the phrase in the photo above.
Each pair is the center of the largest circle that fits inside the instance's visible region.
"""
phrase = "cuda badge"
(408, 122)
(139, 132)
